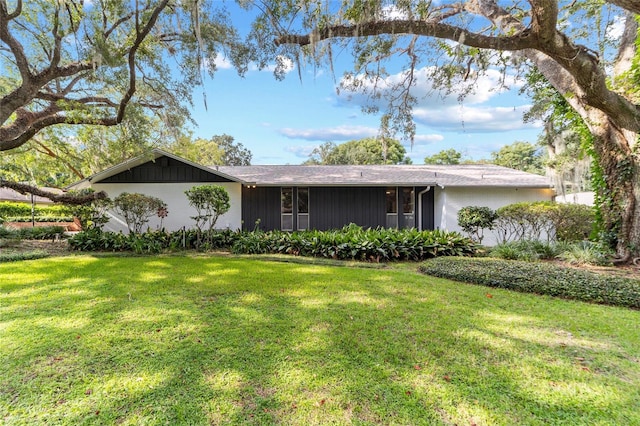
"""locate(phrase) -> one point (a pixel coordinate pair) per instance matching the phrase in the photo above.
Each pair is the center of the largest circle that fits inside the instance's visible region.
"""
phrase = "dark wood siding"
(164, 169)
(261, 203)
(331, 208)
(427, 208)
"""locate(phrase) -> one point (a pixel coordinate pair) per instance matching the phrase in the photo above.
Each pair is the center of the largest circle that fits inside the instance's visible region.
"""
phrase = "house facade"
(321, 197)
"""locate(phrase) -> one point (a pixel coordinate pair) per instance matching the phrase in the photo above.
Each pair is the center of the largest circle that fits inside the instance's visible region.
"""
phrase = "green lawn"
(223, 340)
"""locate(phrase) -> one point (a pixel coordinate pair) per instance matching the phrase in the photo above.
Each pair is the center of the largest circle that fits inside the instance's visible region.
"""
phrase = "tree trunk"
(616, 154)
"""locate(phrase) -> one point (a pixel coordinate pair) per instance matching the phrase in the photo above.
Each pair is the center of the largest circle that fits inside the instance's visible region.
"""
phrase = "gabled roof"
(466, 175)
(141, 159)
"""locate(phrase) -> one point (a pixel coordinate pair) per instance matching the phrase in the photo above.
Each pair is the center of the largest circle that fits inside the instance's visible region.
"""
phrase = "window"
(392, 200)
(286, 209)
(303, 208)
(407, 200)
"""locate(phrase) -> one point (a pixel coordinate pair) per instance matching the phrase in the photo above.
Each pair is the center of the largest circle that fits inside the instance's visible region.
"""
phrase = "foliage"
(586, 253)
(219, 150)
(350, 243)
(210, 202)
(92, 215)
(526, 250)
(193, 340)
(137, 209)
(543, 219)
(474, 219)
(15, 256)
(363, 151)
(354, 243)
(538, 278)
(446, 156)
(10, 210)
(122, 67)
(520, 156)
(33, 233)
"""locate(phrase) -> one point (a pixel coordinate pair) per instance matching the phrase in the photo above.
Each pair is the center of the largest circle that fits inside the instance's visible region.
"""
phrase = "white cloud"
(285, 64)
(427, 139)
(302, 151)
(222, 63)
(445, 110)
(339, 133)
(616, 28)
(474, 119)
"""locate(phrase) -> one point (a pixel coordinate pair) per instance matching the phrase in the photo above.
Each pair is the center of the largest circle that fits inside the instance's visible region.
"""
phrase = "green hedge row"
(41, 219)
(539, 278)
(37, 233)
(10, 210)
(11, 256)
(351, 242)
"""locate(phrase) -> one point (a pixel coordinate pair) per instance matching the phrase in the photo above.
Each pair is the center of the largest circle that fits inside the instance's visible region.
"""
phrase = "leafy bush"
(572, 222)
(137, 209)
(586, 253)
(524, 250)
(533, 220)
(348, 243)
(37, 233)
(92, 215)
(474, 220)
(42, 219)
(210, 202)
(353, 242)
(10, 210)
(539, 278)
(12, 256)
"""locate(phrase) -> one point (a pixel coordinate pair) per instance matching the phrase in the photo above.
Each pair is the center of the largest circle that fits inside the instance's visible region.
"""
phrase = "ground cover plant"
(349, 243)
(538, 278)
(226, 340)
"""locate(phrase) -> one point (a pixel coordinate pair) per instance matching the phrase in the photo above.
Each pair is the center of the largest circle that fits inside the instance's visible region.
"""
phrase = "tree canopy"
(453, 42)
(446, 156)
(74, 62)
(362, 151)
(523, 156)
(221, 150)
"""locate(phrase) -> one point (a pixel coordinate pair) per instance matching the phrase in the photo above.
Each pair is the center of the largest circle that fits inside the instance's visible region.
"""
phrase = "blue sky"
(282, 121)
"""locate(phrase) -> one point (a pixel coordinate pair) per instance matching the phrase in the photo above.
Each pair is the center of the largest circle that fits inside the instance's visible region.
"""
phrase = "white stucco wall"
(180, 211)
(447, 202)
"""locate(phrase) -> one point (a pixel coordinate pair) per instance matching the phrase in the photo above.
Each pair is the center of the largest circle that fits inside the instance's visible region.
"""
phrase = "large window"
(407, 200)
(392, 200)
(286, 208)
(303, 208)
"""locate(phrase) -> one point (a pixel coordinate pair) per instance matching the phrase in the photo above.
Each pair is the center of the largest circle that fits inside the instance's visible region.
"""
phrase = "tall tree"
(523, 156)
(221, 150)
(551, 36)
(362, 151)
(446, 156)
(78, 62)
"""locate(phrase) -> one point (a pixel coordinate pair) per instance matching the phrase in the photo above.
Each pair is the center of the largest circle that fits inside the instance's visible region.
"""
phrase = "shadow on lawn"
(212, 341)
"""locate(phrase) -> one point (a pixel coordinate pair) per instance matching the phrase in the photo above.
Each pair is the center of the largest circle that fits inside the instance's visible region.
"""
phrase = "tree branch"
(65, 198)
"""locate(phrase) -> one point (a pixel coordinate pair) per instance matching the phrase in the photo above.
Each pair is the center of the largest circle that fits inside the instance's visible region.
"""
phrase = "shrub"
(210, 202)
(92, 215)
(524, 221)
(474, 220)
(27, 255)
(572, 222)
(539, 278)
(586, 253)
(10, 210)
(137, 209)
(524, 250)
(37, 233)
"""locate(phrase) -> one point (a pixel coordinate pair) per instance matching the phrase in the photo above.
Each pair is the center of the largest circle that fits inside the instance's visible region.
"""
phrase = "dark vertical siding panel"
(332, 208)
(165, 169)
(261, 203)
(427, 209)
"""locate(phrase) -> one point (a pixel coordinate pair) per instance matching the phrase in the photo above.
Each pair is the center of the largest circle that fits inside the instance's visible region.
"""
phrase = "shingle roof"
(486, 175)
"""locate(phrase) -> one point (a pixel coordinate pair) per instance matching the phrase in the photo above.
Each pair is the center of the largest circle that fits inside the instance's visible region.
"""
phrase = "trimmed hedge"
(10, 210)
(37, 233)
(539, 278)
(11, 256)
(351, 242)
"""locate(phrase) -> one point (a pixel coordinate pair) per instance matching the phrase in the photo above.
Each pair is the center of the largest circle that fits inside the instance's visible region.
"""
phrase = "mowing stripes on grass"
(182, 340)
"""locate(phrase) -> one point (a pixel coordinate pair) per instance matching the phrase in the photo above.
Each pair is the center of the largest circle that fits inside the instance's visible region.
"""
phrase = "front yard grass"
(226, 340)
